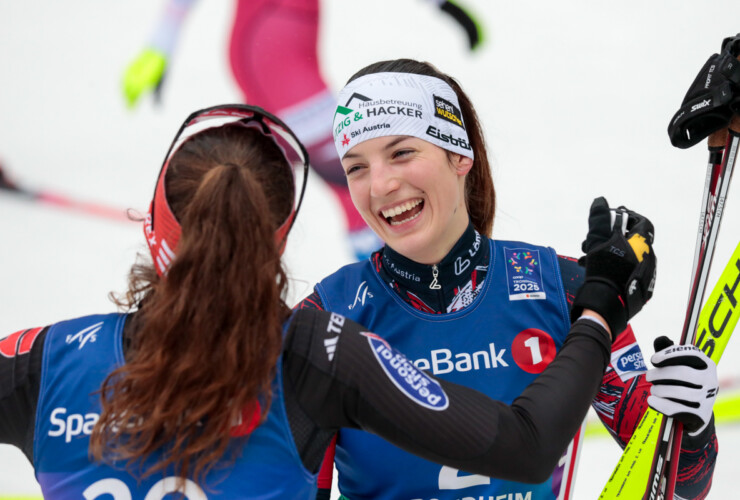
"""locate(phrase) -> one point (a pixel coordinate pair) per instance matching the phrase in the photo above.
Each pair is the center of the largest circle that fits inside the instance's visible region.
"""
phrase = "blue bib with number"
(78, 355)
(497, 345)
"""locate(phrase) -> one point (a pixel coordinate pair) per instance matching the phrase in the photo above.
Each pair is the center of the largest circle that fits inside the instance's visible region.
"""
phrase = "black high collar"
(469, 254)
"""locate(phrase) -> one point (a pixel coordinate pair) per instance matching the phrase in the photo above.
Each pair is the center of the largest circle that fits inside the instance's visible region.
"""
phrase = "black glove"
(711, 100)
(466, 20)
(620, 265)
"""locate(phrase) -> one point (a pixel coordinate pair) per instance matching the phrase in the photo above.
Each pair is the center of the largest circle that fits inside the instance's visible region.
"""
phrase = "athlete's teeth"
(392, 212)
(393, 223)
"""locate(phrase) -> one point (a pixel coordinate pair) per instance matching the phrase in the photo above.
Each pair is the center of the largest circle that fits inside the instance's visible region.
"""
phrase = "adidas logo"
(335, 326)
(164, 257)
(331, 346)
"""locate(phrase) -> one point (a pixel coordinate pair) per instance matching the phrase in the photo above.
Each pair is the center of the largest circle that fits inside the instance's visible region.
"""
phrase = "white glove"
(684, 384)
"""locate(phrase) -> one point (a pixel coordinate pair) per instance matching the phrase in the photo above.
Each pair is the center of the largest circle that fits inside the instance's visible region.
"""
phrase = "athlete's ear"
(462, 164)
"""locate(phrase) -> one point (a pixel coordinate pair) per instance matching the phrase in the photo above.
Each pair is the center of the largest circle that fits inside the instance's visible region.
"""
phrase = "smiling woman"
(485, 313)
(411, 193)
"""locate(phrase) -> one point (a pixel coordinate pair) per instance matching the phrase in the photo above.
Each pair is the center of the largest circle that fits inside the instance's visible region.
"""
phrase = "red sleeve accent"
(619, 403)
(624, 339)
(313, 301)
(326, 473)
(19, 343)
(696, 469)
(566, 257)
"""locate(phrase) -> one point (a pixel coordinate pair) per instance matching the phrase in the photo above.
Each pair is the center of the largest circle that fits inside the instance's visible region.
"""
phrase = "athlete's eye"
(352, 169)
(401, 153)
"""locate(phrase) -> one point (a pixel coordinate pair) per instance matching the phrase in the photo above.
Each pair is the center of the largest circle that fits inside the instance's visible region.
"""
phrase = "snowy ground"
(575, 97)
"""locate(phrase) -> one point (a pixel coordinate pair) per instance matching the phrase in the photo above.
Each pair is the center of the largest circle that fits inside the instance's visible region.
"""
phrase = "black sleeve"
(20, 373)
(339, 382)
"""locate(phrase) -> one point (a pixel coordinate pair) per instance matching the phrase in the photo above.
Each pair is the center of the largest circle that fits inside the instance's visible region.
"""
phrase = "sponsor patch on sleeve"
(628, 362)
(411, 381)
(524, 274)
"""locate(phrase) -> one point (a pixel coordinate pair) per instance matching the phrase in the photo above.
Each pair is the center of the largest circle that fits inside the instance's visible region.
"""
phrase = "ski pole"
(60, 200)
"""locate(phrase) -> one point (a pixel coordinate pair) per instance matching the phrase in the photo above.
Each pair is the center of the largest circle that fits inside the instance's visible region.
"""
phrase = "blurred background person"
(273, 56)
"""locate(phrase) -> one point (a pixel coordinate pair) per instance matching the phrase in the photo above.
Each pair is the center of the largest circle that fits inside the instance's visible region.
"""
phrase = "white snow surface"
(575, 98)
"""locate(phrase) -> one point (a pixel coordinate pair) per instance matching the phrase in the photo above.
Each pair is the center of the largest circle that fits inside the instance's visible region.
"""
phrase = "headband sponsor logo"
(378, 107)
(369, 103)
(445, 110)
(410, 380)
(455, 141)
(373, 108)
(393, 110)
(361, 98)
(364, 130)
(346, 111)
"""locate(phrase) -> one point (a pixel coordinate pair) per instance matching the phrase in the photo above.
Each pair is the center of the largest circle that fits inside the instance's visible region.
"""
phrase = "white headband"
(383, 104)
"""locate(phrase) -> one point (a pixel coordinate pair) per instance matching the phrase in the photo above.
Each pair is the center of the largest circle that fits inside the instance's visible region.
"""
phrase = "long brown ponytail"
(480, 195)
(206, 337)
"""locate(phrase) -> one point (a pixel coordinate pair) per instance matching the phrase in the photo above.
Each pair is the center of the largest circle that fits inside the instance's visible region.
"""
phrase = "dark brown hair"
(480, 196)
(207, 337)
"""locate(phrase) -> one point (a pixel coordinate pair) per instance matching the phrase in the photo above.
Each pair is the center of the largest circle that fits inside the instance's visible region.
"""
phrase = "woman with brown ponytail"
(209, 387)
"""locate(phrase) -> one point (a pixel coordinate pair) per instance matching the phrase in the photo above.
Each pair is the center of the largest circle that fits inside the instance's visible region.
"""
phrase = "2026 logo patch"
(524, 274)
(412, 382)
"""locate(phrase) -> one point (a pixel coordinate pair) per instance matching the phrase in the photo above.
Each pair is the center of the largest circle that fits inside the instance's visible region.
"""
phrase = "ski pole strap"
(711, 100)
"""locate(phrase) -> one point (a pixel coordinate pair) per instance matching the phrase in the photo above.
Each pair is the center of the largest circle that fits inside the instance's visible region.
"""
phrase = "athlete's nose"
(383, 179)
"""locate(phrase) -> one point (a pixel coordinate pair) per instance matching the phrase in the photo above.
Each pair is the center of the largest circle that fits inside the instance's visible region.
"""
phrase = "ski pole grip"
(718, 139)
(735, 124)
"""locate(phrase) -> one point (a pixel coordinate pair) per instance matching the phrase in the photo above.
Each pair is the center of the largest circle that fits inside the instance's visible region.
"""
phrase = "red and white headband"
(161, 228)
